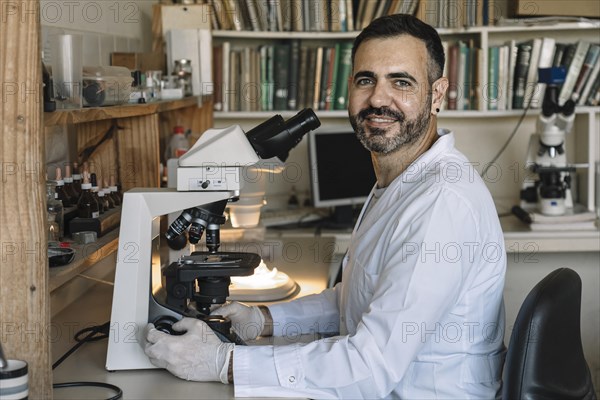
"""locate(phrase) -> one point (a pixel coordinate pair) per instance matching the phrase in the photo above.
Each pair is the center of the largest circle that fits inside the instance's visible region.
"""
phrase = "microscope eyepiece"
(275, 137)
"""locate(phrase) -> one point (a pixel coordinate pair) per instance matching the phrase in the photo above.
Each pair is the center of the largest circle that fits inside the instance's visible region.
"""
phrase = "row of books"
(285, 76)
(512, 74)
(344, 15)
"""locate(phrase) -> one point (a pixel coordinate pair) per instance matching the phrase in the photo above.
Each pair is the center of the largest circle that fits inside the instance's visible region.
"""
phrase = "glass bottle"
(87, 207)
(115, 192)
(69, 187)
(55, 213)
(109, 197)
(76, 179)
(103, 201)
(60, 189)
(95, 190)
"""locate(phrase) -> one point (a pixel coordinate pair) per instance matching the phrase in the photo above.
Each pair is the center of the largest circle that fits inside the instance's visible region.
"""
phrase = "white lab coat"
(419, 309)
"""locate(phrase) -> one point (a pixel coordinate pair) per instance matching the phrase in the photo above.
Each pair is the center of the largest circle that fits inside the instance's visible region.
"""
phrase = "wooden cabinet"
(132, 153)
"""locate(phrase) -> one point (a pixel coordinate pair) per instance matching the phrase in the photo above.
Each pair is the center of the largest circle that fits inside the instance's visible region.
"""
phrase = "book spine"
(344, 70)
(521, 67)
(573, 72)
(281, 73)
(294, 64)
(591, 59)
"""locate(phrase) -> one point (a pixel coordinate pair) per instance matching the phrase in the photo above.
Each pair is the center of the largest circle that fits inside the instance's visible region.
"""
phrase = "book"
(294, 63)
(281, 75)
(573, 72)
(512, 62)
(589, 84)
(531, 82)
(594, 97)
(493, 77)
(591, 60)
(503, 56)
(520, 76)
(218, 77)
(344, 71)
(225, 75)
(332, 85)
(453, 71)
(318, 76)
(545, 60)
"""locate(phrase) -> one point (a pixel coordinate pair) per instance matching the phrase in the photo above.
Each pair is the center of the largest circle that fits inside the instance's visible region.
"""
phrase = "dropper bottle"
(76, 179)
(87, 207)
(95, 191)
(60, 189)
(69, 187)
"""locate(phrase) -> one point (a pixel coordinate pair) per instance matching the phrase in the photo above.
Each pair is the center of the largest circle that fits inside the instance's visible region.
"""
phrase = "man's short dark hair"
(404, 24)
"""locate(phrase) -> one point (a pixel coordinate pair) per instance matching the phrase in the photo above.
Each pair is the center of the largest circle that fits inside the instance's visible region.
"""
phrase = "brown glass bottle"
(87, 207)
(95, 189)
(63, 195)
(108, 195)
(77, 178)
(69, 187)
(114, 191)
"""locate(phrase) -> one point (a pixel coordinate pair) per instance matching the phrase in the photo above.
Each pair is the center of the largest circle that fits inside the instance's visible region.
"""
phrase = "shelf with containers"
(130, 151)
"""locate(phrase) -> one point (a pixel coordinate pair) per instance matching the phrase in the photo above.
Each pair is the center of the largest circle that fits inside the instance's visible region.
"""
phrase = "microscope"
(549, 191)
(209, 177)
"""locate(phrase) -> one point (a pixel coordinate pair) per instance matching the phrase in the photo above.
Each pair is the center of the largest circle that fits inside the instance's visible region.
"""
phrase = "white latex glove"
(197, 355)
(247, 322)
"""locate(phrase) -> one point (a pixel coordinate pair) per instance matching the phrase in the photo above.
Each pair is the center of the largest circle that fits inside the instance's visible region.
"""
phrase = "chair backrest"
(545, 355)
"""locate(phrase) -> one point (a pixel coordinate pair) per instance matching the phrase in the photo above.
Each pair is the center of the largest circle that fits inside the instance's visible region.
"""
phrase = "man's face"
(389, 93)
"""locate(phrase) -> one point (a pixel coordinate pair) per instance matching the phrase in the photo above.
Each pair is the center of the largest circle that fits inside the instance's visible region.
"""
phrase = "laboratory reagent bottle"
(87, 207)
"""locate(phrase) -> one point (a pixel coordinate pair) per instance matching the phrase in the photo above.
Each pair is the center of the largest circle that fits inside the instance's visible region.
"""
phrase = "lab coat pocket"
(483, 369)
(421, 384)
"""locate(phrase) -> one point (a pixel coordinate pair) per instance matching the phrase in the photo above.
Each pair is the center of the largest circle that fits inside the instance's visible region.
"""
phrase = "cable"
(116, 389)
(514, 132)
(94, 333)
(102, 330)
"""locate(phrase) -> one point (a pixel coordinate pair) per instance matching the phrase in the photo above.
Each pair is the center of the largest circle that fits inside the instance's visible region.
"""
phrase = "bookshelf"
(485, 128)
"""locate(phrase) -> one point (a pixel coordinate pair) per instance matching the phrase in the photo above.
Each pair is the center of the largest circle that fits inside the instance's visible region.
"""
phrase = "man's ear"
(438, 91)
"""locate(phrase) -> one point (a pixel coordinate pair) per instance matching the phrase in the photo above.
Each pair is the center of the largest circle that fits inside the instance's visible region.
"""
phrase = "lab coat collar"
(414, 172)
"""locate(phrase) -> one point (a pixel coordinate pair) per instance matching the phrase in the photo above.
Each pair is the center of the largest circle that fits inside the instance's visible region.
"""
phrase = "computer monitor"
(341, 172)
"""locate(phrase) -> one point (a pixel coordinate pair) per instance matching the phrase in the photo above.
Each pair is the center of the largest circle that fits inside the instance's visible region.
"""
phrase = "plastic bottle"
(178, 144)
(87, 207)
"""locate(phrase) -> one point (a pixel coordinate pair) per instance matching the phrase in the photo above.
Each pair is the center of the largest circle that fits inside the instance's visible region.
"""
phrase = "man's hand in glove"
(197, 355)
(247, 322)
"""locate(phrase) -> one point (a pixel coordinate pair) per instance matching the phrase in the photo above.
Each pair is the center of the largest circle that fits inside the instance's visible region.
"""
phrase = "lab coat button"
(292, 379)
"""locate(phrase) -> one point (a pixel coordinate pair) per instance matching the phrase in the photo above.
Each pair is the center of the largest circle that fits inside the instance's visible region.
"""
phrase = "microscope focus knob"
(179, 291)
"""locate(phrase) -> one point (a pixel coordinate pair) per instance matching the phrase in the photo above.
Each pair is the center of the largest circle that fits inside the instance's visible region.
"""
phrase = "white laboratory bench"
(306, 260)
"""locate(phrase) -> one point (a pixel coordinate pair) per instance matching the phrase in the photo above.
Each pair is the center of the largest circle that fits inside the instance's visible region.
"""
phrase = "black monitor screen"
(341, 169)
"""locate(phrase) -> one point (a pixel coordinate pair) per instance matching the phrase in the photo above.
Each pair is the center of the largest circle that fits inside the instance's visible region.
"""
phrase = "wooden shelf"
(85, 257)
(63, 117)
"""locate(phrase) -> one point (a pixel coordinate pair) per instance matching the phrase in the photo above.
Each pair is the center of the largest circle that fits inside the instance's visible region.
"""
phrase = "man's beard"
(409, 131)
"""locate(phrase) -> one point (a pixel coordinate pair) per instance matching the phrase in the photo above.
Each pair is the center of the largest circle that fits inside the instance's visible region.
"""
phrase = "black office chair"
(545, 355)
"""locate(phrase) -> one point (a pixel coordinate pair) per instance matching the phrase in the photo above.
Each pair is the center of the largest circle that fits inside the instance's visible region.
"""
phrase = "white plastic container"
(106, 86)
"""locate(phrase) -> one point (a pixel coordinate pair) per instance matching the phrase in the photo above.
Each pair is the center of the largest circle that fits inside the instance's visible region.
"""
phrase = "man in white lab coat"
(419, 309)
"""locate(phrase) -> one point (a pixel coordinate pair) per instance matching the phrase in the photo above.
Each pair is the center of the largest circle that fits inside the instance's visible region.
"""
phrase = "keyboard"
(292, 216)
